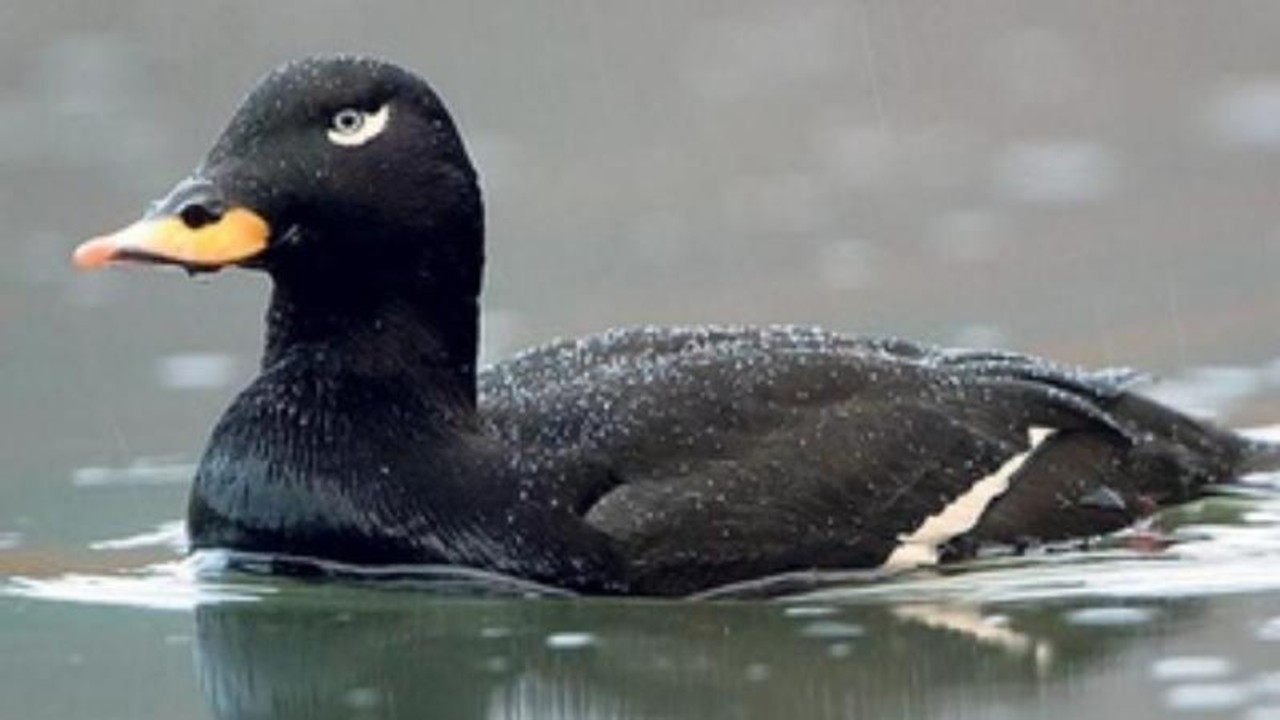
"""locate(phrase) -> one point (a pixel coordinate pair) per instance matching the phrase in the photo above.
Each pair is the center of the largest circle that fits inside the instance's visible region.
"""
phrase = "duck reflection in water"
(467, 658)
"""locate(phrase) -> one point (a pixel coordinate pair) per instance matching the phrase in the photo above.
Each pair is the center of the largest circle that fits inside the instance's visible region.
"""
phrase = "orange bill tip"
(95, 253)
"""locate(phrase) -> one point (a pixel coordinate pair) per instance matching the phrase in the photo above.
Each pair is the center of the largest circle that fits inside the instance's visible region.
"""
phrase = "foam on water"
(1271, 433)
(171, 534)
(174, 586)
(212, 577)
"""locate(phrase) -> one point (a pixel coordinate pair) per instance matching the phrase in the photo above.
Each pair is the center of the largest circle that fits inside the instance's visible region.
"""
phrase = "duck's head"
(335, 169)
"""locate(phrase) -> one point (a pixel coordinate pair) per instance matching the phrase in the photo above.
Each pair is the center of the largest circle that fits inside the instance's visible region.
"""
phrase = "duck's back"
(713, 455)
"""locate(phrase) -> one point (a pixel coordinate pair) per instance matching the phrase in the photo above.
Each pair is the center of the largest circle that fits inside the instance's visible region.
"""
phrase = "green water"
(1091, 181)
(329, 652)
(1190, 629)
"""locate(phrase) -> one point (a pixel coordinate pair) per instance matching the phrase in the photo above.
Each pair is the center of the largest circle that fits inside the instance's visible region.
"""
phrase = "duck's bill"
(237, 236)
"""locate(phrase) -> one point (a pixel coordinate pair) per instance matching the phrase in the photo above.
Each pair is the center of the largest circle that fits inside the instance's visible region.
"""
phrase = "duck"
(655, 461)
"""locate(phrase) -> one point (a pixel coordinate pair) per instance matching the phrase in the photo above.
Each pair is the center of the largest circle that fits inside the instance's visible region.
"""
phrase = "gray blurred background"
(1096, 181)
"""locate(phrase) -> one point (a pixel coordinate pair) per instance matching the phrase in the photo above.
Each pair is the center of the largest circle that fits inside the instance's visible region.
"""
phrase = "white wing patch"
(920, 547)
(374, 123)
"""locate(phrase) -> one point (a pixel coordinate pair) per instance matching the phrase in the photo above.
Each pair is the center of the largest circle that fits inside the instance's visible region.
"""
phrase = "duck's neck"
(397, 331)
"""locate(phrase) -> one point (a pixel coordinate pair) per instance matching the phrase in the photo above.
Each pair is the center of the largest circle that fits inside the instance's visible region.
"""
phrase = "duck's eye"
(351, 127)
(348, 121)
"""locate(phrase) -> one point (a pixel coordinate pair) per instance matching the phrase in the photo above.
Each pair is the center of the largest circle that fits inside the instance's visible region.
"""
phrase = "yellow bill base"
(237, 236)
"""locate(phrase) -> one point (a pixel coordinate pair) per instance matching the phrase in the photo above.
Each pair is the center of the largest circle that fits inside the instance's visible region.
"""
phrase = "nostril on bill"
(197, 215)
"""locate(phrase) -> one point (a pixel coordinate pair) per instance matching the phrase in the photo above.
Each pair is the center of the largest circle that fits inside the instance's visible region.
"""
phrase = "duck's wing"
(720, 454)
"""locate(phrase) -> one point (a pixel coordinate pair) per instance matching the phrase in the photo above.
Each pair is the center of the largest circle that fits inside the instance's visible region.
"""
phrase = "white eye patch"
(351, 127)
